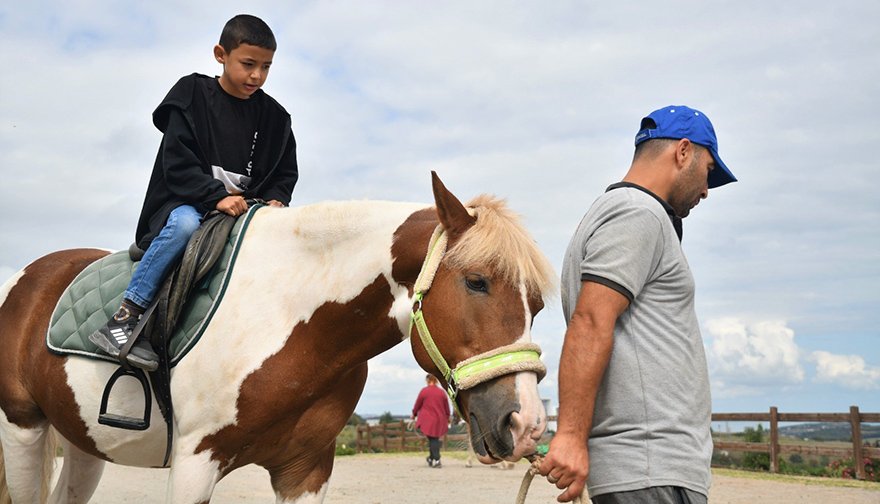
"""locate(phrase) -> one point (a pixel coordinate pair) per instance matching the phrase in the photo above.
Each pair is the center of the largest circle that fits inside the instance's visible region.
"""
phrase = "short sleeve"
(623, 250)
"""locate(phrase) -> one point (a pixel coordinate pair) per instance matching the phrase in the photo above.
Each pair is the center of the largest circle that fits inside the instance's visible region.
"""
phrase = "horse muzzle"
(506, 417)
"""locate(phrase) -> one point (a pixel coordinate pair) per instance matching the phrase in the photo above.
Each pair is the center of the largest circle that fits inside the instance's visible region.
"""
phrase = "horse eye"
(476, 283)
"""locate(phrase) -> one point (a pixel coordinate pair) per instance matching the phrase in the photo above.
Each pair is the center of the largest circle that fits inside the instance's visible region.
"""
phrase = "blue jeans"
(163, 254)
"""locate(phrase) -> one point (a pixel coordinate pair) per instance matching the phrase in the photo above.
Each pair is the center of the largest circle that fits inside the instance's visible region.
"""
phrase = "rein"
(536, 461)
(479, 368)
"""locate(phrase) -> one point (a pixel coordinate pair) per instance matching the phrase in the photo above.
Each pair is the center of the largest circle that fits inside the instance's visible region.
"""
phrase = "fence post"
(855, 419)
(360, 437)
(774, 440)
(402, 436)
(385, 437)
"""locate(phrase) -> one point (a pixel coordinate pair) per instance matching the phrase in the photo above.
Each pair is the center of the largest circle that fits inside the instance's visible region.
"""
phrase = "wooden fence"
(854, 418)
(397, 437)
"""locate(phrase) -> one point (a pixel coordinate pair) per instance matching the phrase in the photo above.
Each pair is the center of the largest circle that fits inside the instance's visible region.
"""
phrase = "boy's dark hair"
(246, 29)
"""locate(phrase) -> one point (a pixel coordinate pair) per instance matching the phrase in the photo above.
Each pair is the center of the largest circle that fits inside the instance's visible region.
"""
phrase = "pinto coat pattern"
(316, 292)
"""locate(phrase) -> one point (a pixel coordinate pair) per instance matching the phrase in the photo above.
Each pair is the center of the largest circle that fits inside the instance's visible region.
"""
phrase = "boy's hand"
(233, 205)
(275, 203)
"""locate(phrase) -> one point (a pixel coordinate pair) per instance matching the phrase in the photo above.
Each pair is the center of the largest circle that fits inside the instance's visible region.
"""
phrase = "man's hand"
(566, 465)
(275, 203)
(232, 205)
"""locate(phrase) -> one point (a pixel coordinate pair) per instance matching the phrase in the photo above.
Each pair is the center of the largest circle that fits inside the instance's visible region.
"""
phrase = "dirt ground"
(372, 479)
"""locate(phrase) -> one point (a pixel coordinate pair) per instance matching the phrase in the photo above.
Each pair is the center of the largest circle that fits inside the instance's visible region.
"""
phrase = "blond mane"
(499, 239)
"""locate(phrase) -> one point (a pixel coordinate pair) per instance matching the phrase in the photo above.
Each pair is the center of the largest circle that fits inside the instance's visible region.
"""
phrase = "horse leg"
(471, 455)
(79, 478)
(24, 453)
(192, 478)
(293, 487)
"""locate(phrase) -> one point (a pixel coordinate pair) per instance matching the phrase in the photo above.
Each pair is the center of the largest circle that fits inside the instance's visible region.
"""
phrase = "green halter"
(479, 368)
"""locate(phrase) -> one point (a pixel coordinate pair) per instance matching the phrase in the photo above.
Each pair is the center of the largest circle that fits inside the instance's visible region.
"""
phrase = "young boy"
(224, 140)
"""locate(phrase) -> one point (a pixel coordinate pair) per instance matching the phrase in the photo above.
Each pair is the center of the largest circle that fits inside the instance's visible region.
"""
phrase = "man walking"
(632, 375)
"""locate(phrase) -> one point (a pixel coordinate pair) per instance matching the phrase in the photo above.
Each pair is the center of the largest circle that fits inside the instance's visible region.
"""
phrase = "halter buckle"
(452, 387)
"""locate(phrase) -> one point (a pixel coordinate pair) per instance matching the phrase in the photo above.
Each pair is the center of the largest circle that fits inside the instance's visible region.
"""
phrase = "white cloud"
(763, 357)
(758, 355)
(849, 371)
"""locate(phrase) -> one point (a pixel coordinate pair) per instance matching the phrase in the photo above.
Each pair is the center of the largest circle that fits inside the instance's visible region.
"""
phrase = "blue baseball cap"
(678, 121)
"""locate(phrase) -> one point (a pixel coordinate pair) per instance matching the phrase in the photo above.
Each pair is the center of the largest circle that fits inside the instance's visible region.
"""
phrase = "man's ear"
(683, 153)
(220, 54)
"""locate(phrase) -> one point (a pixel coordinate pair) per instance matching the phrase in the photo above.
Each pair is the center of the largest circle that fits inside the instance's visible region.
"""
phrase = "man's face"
(693, 182)
(245, 69)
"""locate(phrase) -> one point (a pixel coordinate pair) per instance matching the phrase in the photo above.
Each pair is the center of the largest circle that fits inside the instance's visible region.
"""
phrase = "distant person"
(224, 140)
(632, 374)
(433, 416)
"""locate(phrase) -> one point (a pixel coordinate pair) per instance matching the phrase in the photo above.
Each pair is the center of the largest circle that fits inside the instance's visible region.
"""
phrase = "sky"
(535, 102)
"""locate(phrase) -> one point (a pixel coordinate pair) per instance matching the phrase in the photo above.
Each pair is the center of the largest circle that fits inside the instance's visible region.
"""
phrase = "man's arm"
(585, 354)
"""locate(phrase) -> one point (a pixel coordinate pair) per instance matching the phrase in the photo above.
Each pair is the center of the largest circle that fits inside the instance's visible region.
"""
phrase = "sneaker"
(116, 332)
(430, 462)
(437, 464)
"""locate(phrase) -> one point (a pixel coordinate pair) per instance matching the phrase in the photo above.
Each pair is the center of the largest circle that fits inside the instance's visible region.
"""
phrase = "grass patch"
(803, 480)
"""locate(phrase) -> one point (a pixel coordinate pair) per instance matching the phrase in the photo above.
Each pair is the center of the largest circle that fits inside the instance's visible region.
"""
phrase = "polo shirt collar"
(676, 220)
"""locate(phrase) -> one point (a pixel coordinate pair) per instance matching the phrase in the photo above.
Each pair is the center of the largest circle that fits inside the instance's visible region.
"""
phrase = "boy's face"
(245, 69)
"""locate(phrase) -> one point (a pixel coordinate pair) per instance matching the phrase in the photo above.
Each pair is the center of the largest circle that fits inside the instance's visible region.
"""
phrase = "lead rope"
(537, 460)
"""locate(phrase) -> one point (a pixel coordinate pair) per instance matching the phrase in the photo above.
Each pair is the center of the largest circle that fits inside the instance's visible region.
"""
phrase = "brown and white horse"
(316, 292)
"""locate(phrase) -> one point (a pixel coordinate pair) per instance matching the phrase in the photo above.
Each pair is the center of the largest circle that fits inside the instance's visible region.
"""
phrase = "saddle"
(160, 321)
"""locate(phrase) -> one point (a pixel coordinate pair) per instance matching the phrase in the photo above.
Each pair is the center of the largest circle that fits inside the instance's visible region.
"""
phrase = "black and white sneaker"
(116, 332)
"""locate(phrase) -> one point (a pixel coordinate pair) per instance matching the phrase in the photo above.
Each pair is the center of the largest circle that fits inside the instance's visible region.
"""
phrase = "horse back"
(26, 304)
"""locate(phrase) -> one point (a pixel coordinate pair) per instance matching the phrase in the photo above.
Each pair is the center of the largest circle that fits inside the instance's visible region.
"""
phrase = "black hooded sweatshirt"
(182, 172)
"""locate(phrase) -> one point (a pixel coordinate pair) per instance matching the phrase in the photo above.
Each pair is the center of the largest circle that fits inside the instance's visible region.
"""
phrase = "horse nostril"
(515, 419)
(511, 420)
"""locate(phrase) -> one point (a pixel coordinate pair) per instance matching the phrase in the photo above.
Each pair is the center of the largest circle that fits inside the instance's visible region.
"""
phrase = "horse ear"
(453, 215)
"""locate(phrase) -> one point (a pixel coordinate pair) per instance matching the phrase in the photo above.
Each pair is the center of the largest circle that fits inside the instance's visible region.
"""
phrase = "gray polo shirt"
(653, 408)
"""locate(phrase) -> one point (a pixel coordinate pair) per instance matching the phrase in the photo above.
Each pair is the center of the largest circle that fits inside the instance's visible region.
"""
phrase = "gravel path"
(406, 479)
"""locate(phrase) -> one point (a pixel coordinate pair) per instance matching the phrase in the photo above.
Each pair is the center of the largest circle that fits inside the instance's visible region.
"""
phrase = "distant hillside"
(828, 431)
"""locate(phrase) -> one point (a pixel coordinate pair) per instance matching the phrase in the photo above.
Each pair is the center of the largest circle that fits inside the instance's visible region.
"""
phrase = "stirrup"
(121, 421)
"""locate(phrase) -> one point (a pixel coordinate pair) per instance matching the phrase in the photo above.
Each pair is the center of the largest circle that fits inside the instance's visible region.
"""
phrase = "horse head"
(475, 303)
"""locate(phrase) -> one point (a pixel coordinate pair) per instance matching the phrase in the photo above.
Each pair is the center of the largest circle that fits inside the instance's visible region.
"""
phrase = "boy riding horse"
(224, 140)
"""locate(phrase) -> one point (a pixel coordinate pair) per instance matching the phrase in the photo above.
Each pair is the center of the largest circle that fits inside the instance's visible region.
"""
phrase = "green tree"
(751, 435)
(386, 417)
(355, 420)
(751, 460)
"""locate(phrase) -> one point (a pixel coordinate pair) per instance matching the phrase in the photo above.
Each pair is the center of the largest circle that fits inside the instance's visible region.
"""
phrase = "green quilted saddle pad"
(96, 293)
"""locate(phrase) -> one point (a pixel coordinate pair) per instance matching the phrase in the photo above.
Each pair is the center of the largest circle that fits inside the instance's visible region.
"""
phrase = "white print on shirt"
(235, 182)
(250, 164)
